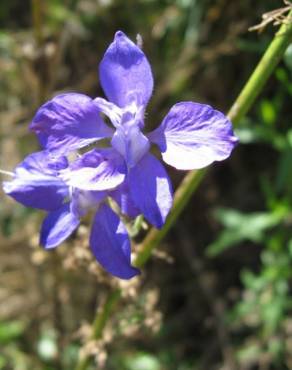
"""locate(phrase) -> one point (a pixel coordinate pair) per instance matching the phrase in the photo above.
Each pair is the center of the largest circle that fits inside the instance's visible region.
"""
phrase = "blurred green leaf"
(283, 76)
(142, 361)
(251, 133)
(249, 352)
(276, 346)
(288, 57)
(10, 330)
(3, 362)
(271, 313)
(240, 227)
(268, 112)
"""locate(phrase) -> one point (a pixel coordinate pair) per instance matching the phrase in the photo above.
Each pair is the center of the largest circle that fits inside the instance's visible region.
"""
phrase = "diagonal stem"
(99, 322)
(241, 106)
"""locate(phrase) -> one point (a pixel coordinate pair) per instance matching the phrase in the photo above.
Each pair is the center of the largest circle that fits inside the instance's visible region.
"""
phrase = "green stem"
(263, 71)
(241, 106)
(99, 323)
(103, 315)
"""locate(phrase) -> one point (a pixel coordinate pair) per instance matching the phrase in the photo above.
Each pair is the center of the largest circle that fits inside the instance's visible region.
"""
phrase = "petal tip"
(159, 223)
(119, 34)
(47, 246)
(129, 275)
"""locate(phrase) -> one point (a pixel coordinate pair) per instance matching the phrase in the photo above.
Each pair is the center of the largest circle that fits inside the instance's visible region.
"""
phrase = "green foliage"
(241, 227)
(11, 330)
(265, 307)
(141, 361)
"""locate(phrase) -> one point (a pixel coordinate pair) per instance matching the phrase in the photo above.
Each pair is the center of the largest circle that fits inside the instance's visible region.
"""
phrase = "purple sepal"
(194, 135)
(36, 183)
(125, 73)
(58, 226)
(110, 244)
(68, 122)
(151, 190)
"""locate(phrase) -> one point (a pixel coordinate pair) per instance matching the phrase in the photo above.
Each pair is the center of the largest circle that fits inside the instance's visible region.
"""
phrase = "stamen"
(8, 173)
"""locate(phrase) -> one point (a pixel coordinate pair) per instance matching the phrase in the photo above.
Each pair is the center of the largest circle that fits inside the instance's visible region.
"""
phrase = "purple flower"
(191, 136)
(38, 182)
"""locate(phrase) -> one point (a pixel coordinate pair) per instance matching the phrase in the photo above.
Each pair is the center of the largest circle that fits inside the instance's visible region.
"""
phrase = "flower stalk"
(241, 106)
(99, 323)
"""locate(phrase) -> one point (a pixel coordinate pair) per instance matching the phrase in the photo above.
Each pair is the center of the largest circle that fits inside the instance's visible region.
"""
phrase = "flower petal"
(130, 142)
(123, 197)
(96, 170)
(110, 244)
(151, 189)
(125, 73)
(58, 226)
(68, 122)
(194, 135)
(36, 183)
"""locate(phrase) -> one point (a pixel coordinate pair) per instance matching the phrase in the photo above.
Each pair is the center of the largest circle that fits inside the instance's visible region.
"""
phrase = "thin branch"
(276, 17)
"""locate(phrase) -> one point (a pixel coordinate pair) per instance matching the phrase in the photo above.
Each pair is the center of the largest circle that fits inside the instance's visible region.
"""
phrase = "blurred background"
(217, 293)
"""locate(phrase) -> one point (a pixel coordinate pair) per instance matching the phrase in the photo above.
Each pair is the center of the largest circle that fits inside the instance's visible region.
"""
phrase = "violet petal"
(96, 170)
(58, 226)
(110, 244)
(36, 183)
(194, 135)
(125, 73)
(131, 143)
(151, 189)
(68, 122)
(123, 197)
